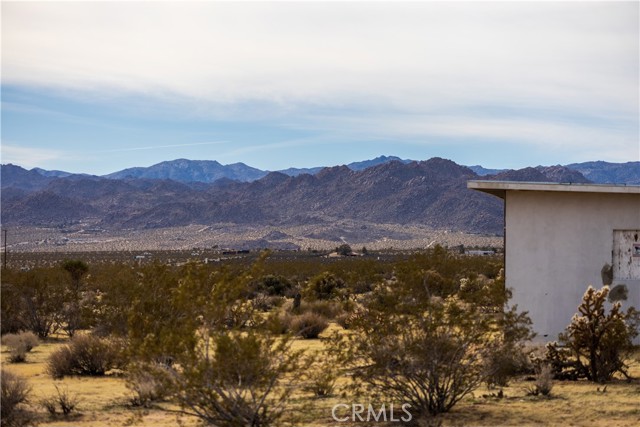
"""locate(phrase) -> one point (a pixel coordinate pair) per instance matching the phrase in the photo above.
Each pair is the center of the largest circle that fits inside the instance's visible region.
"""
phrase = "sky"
(96, 87)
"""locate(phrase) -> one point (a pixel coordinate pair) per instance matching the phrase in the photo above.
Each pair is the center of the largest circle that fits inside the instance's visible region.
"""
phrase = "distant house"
(477, 252)
(561, 238)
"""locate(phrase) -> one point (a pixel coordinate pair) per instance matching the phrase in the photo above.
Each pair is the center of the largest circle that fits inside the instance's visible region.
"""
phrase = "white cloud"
(156, 147)
(28, 157)
(419, 54)
(430, 60)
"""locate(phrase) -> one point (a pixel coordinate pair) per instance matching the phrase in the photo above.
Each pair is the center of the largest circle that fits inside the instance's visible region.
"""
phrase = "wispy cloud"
(422, 55)
(410, 71)
(29, 157)
(155, 147)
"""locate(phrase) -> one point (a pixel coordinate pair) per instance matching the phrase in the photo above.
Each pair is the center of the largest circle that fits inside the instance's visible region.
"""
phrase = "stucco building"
(561, 238)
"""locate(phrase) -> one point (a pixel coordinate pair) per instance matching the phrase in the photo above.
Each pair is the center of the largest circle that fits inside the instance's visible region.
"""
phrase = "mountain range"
(182, 192)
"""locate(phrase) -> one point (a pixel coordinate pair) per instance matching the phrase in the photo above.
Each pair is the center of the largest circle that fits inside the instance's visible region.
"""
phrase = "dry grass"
(104, 401)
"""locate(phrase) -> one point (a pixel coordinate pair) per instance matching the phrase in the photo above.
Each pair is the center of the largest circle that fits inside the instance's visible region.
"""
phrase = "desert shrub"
(19, 345)
(225, 373)
(15, 393)
(325, 286)
(18, 354)
(345, 320)
(279, 323)
(308, 325)
(34, 300)
(274, 285)
(85, 355)
(72, 309)
(328, 309)
(505, 362)
(543, 382)
(64, 400)
(146, 387)
(509, 355)
(28, 340)
(243, 381)
(266, 303)
(596, 343)
(429, 351)
(322, 375)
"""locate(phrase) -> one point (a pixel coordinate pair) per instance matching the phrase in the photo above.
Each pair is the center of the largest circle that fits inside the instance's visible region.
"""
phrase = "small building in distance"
(561, 238)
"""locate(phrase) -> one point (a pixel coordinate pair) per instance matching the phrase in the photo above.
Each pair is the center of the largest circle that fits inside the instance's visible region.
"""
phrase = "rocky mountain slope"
(431, 193)
(609, 173)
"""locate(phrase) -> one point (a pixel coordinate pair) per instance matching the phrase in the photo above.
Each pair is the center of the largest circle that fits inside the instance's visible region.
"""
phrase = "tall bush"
(425, 351)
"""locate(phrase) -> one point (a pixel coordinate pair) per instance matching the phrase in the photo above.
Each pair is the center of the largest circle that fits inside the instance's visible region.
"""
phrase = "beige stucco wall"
(556, 245)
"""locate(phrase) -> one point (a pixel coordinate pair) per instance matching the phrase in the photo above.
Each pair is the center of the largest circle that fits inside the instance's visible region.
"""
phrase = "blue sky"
(96, 87)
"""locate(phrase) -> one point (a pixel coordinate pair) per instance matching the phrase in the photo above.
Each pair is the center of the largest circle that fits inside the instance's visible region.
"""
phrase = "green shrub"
(245, 380)
(274, 285)
(85, 355)
(325, 286)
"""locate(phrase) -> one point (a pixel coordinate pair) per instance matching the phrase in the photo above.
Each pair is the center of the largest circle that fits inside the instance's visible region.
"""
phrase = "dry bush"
(544, 382)
(15, 393)
(265, 303)
(308, 325)
(146, 387)
(322, 375)
(19, 345)
(84, 355)
(505, 362)
(328, 309)
(279, 324)
(28, 339)
(64, 400)
(345, 320)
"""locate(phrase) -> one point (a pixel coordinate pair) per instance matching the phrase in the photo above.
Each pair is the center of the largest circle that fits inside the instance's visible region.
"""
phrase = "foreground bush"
(238, 379)
(15, 393)
(85, 355)
(429, 352)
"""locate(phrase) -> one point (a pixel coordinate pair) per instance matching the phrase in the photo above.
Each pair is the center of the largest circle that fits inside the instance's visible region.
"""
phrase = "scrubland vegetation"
(301, 341)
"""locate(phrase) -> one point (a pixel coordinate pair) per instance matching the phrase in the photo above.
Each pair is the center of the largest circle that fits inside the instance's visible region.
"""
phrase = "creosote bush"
(85, 355)
(239, 381)
(411, 346)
